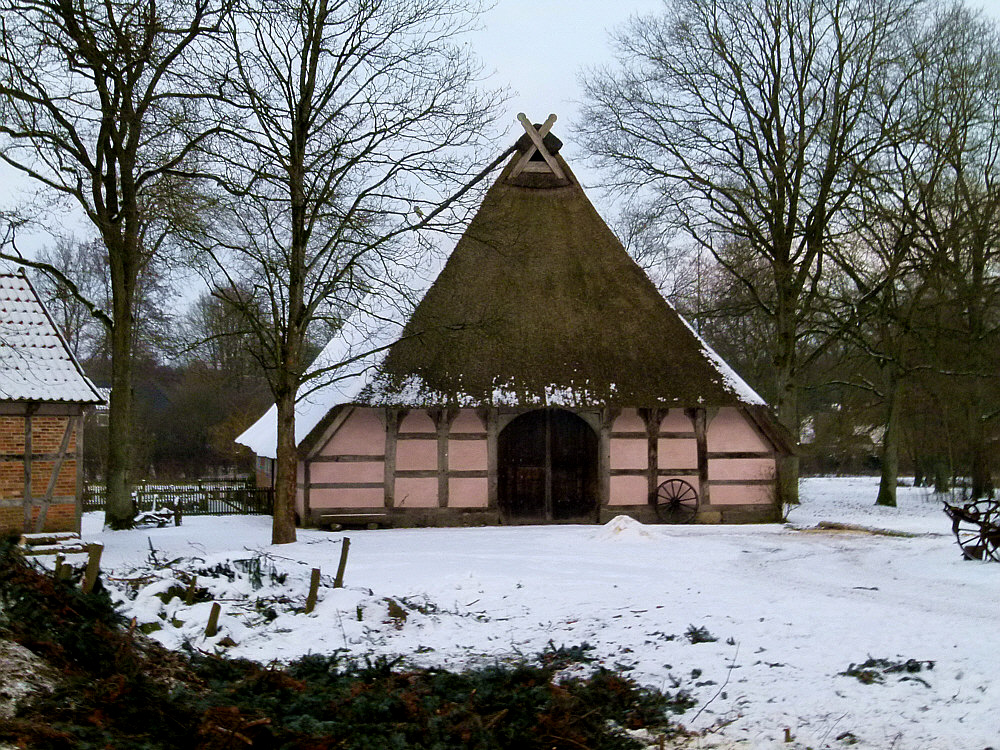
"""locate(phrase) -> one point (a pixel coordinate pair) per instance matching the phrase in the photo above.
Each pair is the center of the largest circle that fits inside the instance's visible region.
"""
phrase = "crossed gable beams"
(537, 146)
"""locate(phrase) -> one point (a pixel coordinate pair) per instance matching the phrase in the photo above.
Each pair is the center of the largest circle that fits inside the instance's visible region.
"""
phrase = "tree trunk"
(982, 483)
(787, 407)
(119, 510)
(286, 470)
(890, 442)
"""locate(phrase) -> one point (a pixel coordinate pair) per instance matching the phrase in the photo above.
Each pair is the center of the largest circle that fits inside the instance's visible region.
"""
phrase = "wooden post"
(492, 468)
(178, 510)
(79, 471)
(213, 620)
(652, 419)
(313, 591)
(443, 420)
(393, 417)
(608, 416)
(57, 568)
(93, 566)
(699, 419)
(345, 546)
(548, 464)
(191, 591)
(29, 500)
(306, 486)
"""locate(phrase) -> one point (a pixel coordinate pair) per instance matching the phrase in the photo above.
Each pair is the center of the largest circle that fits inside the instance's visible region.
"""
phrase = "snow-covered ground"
(791, 609)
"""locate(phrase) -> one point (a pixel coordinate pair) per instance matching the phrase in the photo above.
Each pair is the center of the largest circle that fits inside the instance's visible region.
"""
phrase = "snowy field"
(791, 608)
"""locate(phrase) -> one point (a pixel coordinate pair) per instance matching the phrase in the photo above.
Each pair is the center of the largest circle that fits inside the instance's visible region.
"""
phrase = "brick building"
(43, 395)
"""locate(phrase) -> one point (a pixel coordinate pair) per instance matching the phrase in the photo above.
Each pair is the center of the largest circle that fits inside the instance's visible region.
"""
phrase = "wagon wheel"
(991, 542)
(976, 532)
(990, 525)
(676, 502)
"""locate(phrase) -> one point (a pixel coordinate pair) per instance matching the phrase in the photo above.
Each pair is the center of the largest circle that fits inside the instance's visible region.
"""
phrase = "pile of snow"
(790, 610)
(625, 529)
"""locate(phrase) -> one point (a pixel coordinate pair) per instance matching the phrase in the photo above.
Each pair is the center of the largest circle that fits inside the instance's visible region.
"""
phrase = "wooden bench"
(58, 543)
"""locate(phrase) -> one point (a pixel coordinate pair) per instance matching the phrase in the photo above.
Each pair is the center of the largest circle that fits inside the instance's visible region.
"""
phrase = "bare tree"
(750, 125)
(883, 296)
(218, 336)
(956, 165)
(86, 263)
(351, 127)
(99, 104)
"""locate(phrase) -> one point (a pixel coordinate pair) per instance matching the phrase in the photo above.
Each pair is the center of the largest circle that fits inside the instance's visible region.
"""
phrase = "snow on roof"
(342, 370)
(351, 360)
(35, 363)
(737, 385)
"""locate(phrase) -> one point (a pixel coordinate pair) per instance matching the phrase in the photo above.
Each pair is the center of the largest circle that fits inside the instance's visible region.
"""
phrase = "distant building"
(542, 378)
(43, 395)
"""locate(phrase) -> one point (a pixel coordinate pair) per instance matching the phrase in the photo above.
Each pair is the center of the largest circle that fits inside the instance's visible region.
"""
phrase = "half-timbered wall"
(741, 462)
(31, 448)
(425, 463)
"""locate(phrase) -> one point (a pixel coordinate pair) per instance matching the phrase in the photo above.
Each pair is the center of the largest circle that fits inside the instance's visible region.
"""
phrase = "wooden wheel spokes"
(976, 527)
(676, 502)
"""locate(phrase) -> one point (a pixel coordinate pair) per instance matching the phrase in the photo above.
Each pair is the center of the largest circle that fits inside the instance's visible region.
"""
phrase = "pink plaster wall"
(629, 491)
(416, 493)
(676, 421)
(467, 455)
(366, 471)
(741, 468)
(677, 453)
(629, 421)
(373, 497)
(362, 433)
(733, 494)
(467, 421)
(467, 492)
(628, 453)
(417, 421)
(416, 454)
(729, 431)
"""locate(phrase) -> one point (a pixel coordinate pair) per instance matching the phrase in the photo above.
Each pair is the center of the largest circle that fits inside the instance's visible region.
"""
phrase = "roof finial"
(537, 144)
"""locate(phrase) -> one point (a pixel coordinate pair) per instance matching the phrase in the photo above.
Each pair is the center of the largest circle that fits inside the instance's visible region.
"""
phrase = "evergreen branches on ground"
(120, 690)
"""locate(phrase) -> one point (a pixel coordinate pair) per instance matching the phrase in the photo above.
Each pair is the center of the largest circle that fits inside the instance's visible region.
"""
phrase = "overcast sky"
(538, 48)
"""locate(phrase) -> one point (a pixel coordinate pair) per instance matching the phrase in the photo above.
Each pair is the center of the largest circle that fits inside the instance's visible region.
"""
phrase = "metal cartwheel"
(976, 526)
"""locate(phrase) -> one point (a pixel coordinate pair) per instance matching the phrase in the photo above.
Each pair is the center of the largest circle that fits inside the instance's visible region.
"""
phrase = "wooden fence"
(208, 499)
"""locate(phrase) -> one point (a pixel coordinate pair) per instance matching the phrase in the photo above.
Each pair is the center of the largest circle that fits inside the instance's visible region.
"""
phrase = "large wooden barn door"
(547, 467)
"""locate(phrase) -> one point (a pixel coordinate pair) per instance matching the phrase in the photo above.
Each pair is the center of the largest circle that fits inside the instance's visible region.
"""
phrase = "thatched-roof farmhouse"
(543, 377)
(43, 394)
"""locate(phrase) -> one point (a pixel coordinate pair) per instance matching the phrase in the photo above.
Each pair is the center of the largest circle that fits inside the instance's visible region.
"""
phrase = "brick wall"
(61, 517)
(46, 439)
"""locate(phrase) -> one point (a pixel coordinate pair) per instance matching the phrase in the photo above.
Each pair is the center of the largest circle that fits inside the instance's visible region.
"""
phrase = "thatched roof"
(540, 303)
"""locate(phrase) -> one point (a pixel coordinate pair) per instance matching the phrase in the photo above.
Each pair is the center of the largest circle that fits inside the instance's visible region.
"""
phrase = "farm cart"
(977, 528)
